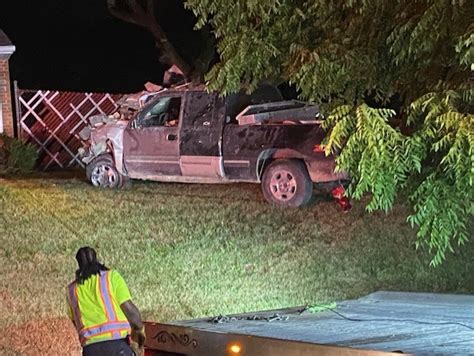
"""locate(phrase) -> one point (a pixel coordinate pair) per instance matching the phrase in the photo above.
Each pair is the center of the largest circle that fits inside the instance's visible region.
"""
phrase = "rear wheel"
(287, 183)
(101, 172)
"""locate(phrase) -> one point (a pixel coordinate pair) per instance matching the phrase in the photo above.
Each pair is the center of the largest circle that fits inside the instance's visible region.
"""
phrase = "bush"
(16, 156)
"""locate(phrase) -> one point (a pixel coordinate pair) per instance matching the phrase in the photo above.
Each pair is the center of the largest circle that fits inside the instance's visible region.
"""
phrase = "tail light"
(338, 194)
(318, 148)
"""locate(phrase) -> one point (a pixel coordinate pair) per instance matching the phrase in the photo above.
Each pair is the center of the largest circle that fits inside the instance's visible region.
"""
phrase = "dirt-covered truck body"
(199, 137)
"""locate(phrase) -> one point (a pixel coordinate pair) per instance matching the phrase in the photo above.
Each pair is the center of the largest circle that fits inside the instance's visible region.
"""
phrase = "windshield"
(163, 112)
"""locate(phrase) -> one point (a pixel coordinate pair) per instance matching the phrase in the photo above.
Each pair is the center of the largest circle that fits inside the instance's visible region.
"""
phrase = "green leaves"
(377, 156)
(343, 51)
(16, 156)
(465, 48)
(434, 166)
(442, 213)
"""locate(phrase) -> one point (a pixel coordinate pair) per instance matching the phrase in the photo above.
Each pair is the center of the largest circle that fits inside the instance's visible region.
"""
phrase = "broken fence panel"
(51, 120)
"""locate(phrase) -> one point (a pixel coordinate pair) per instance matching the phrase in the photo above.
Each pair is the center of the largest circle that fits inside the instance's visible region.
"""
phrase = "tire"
(287, 183)
(101, 172)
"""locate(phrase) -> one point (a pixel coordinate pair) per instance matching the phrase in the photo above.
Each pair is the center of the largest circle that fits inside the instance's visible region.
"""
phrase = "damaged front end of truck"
(103, 135)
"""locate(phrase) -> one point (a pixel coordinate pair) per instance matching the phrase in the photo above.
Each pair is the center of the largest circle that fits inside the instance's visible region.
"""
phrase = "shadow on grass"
(59, 174)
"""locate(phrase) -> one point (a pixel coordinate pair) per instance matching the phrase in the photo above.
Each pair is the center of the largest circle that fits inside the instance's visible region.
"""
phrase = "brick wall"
(5, 97)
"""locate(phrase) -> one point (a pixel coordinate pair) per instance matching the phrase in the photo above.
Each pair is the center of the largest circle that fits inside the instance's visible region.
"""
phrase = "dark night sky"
(78, 45)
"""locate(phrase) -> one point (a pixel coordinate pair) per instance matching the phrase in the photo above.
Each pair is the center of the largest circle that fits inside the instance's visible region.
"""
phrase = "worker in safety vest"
(100, 306)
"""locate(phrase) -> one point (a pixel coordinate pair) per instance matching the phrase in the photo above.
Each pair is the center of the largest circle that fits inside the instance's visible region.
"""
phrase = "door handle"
(171, 137)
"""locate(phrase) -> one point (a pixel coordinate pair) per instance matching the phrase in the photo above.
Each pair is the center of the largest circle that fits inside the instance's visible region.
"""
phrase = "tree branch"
(145, 17)
(150, 7)
(137, 9)
(123, 16)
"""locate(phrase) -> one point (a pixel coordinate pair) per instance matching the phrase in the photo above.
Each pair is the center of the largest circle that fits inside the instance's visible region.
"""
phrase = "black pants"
(108, 348)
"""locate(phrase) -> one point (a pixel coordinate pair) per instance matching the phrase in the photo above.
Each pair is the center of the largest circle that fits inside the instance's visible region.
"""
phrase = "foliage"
(343, 50)
(16, 156)
(412, 61)
(444, 200)
(434, 165)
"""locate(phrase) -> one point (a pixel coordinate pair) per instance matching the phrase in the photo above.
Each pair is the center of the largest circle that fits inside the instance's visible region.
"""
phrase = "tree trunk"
(144, 15)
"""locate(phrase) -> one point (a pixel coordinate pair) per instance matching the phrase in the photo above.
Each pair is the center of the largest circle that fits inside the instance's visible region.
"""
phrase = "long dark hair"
(88, 264)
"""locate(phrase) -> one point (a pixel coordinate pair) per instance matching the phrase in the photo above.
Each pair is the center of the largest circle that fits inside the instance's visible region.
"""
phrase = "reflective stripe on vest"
(106, 296)
(73, 300)
(113, 326)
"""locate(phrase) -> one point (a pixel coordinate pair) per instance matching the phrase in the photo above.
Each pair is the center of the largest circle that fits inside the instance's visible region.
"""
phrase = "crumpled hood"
(99, 124)
(108, 130)
(103, 138)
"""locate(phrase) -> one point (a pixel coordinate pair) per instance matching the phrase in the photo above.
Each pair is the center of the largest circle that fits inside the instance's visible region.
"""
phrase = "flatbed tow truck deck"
(377, 324)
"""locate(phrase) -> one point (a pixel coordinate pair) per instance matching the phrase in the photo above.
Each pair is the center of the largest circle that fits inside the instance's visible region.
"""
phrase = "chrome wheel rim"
(104, 175)
(283, 185)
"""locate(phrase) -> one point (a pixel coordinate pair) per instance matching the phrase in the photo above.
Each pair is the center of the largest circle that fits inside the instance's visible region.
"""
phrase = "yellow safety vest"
(96, 313)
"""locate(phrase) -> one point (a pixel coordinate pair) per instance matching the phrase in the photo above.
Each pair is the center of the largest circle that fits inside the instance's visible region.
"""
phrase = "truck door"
(201, 135)
(151, 141)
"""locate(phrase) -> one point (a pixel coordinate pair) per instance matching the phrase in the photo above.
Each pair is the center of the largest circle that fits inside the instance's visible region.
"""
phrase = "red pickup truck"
(192, 136)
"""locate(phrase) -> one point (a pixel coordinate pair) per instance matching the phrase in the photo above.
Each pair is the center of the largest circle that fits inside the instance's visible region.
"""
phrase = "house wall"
(5, 97)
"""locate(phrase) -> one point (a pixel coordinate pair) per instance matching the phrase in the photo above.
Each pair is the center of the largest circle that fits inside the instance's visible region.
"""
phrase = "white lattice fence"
(52, 120)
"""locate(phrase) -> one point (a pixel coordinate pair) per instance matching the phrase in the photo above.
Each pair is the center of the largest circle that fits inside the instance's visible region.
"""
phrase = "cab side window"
(163, 112)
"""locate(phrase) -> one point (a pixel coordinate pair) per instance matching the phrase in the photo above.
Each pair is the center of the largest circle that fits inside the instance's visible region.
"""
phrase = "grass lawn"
(188, 251)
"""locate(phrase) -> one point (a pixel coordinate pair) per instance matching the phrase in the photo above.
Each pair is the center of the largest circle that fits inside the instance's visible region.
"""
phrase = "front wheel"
(287, 183)
(101, 172)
